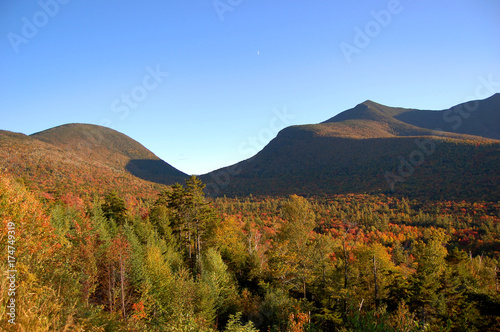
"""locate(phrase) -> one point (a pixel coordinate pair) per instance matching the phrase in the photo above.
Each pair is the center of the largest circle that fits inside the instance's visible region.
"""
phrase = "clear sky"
(204, 84)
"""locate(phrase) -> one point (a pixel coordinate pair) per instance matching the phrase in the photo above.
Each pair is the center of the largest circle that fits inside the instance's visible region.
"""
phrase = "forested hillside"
(111, 148)
(373, 148)
(370, 221)
(77, 161)
(181, 262)
(418, 167)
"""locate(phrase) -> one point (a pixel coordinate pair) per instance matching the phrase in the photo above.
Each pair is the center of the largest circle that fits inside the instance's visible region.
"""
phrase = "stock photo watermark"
(250, 146)
(11, 272)
(223, 6)
(457, 114)
(253, 144)
(454, 116)
(123, 105)
(372, 29)
(31, 26)
(129, 101)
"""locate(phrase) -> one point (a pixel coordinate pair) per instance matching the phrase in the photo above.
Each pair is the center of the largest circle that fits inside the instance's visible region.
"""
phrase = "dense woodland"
(181, 262)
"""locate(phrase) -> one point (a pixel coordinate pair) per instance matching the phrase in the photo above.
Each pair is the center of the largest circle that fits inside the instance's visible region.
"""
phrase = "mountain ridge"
(84, 159)
(352, 151)
(412, 122)
(355, 150)
(111, 148)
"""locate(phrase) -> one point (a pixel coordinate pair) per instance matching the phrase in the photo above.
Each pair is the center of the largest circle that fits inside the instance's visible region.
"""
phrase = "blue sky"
(204, 84)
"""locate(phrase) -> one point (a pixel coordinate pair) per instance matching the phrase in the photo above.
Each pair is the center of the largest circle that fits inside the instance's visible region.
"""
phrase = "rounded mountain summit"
(113, 149)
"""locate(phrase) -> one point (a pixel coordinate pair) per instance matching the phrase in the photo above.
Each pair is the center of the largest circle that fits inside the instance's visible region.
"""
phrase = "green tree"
(217, 286)
(291, 258)
(235, 324)
(159, 216)
(192, 220)
(114, 208)
(202, 216)
(426, 282)
(370, 274)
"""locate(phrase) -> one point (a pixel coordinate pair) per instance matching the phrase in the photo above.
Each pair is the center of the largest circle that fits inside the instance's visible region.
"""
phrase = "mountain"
(373, 148)
(114, 149)
(83, 158)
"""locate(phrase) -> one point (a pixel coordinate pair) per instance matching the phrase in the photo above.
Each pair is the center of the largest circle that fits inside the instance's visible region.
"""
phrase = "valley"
(377, 219)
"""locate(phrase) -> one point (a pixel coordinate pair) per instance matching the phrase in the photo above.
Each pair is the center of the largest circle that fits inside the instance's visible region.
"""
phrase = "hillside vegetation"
(108, 147)
(370, 221)
(373, 148)
(83, 160)
(180, 262)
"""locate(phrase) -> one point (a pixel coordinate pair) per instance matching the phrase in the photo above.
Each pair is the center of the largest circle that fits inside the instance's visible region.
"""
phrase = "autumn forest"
(370, 221)
(180, 261)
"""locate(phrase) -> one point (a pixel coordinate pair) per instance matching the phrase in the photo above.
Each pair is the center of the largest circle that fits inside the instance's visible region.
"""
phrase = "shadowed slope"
(55, 172)
(478, 117)
(84, 159)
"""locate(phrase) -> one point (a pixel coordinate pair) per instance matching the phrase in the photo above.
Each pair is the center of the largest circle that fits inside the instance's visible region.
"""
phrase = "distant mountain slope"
(371, 120)
(365, 149)
(99, 142)
(84, 159)
(111, 148)
(478, 117)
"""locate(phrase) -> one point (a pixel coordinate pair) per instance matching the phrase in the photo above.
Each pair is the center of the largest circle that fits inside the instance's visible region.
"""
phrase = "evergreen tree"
(191, 219)
(235, 324)
(426, 282)
(114, 208)
(217, 287)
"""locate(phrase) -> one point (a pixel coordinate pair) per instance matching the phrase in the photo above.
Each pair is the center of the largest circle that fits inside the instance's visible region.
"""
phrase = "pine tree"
(427, 298)
(217, 286)
(191, 218)
(114, 208)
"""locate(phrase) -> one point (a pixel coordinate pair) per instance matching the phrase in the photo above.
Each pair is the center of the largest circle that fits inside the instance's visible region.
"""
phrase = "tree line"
(183, 262)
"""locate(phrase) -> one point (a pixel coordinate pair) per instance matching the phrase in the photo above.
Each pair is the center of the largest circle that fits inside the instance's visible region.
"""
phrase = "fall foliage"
(182, 262)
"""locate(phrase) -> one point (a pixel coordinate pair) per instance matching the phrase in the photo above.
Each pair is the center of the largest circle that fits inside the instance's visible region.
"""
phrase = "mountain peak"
(91, 139)
(355, 150)
(109, 147)
(367, 110)
(369, 103)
